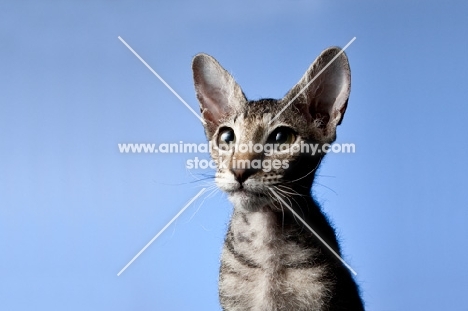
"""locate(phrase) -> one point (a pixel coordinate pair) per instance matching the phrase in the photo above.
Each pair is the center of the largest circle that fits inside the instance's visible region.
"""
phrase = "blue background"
(74, 211)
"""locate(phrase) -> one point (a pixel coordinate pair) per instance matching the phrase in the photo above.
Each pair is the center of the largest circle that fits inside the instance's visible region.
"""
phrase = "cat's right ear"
(217, 91)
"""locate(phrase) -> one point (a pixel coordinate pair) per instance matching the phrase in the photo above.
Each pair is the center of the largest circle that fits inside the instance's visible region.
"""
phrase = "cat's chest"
(266, 270)
(262, 238)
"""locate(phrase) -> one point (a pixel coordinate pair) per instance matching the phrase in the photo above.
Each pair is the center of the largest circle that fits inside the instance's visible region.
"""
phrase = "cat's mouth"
(246, 192)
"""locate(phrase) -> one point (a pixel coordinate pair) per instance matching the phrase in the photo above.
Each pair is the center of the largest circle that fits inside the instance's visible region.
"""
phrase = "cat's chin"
(249, 201)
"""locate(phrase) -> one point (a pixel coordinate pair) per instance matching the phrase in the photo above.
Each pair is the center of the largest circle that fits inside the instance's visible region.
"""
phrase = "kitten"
(270, 260)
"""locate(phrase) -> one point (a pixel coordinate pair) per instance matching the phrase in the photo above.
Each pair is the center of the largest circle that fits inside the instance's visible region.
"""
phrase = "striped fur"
(270, 261)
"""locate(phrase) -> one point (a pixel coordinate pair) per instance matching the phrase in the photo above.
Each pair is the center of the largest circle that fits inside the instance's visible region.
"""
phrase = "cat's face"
(259, 145)
(252, 156)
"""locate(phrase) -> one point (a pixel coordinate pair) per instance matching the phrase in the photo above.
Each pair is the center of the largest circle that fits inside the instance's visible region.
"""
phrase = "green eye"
(226, 136)
(282, 135)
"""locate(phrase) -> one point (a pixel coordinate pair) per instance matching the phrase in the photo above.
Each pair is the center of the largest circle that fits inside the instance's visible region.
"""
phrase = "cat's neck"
(283, 223)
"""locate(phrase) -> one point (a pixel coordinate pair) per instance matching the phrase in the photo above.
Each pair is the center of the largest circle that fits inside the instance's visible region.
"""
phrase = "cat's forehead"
(268, 109)
(253, 119)
(255, 115)
(256, 107)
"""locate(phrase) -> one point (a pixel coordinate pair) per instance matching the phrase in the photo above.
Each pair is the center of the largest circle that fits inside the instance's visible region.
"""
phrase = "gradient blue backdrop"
(74, 211)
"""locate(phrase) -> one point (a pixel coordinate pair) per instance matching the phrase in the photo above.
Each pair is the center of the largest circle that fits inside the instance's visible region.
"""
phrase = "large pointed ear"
(324, 100)
(217, 91)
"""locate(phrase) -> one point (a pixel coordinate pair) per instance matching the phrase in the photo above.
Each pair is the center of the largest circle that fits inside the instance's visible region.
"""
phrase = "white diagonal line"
(162, 230)
(316, 76)
(315, 233)
(162, 80)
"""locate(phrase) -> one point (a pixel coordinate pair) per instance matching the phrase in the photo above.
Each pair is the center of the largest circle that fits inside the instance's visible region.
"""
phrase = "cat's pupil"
(226, 136)
(282, 135)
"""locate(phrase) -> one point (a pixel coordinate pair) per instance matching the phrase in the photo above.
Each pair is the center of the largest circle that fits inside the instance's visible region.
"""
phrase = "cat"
(270, 261)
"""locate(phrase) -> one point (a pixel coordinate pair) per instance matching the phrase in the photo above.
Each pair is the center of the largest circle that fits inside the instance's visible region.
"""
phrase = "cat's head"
(259, 145)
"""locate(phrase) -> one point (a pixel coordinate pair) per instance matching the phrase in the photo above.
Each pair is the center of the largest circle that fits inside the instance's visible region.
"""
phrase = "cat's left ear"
(324, 101)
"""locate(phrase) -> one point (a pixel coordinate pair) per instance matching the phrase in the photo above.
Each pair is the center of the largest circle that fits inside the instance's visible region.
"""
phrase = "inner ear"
(217, 91)
(323, 96)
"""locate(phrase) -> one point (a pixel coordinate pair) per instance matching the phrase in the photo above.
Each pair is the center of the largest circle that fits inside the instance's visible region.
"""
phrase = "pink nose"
(241, 175)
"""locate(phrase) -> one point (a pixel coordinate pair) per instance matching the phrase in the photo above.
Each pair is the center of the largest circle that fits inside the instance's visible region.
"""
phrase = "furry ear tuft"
(217, 91)
(324, 100)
